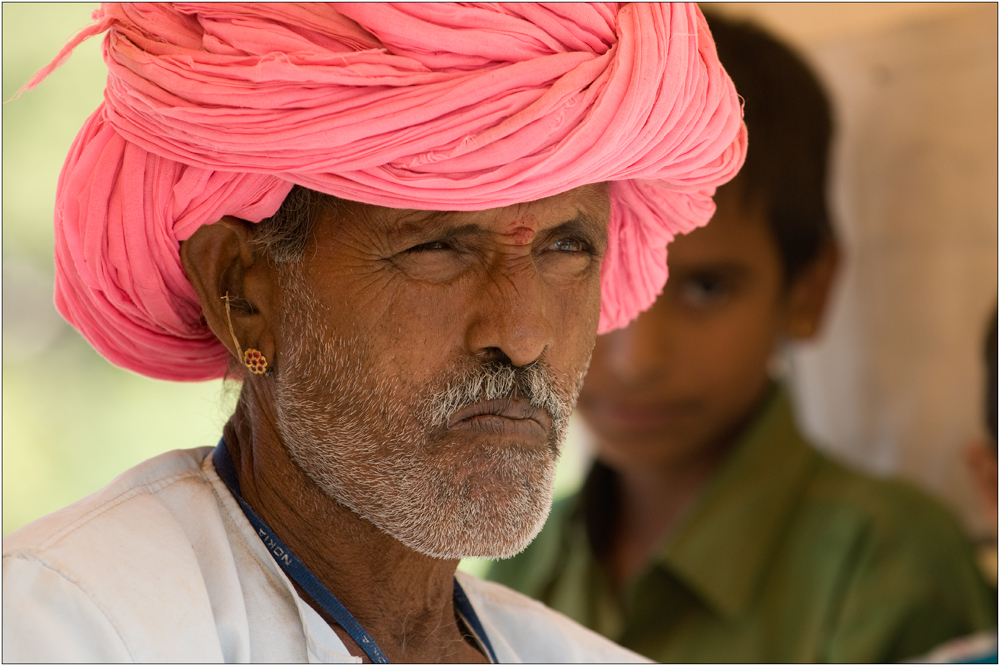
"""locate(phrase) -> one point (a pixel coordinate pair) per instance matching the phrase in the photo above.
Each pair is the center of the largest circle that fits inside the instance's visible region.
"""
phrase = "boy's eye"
(704, 291)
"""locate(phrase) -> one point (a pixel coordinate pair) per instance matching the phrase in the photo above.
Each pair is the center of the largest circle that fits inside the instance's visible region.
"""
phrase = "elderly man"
(402, 227)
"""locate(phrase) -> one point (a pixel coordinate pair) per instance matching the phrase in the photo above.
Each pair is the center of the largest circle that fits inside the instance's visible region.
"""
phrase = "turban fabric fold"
(219, 109)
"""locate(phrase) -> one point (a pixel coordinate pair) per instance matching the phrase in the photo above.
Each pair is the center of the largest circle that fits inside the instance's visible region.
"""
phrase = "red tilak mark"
(522, 230)
(521, 235)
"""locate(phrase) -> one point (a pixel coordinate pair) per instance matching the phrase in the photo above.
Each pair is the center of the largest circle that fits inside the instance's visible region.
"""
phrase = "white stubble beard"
(373, 454)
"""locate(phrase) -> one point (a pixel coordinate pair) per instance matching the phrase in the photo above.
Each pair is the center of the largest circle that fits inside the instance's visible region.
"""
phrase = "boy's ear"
(220, 261)
(810, 292)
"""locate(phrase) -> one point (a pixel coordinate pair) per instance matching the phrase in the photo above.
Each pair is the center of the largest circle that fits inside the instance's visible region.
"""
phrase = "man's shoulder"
(523, 629)
(116, 575)
(146, 486)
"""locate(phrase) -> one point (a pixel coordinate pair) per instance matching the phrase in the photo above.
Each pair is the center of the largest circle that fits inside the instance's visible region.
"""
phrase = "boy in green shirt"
(708, 530)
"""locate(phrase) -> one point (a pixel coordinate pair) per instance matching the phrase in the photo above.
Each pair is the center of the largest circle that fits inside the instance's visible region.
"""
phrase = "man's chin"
(486, 519)
(485, 501)
(489, 539)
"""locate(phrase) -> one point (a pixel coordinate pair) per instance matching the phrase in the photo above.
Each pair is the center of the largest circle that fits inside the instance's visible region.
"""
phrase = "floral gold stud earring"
(255, 361)
(252, 358)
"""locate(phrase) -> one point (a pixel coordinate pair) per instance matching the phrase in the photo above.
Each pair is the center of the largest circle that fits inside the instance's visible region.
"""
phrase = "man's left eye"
(569, 245)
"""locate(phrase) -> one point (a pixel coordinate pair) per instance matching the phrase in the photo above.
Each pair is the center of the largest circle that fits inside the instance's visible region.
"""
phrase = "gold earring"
(252, 358)
(255, 361)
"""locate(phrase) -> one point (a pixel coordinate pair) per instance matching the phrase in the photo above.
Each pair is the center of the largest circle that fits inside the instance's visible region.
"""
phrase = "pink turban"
(218, 109)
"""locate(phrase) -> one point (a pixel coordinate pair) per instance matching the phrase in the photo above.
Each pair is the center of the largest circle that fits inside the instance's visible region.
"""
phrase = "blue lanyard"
(312, 585)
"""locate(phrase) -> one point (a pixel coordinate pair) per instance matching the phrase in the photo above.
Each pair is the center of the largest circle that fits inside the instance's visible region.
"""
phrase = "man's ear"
(810, 292)
(220, 261)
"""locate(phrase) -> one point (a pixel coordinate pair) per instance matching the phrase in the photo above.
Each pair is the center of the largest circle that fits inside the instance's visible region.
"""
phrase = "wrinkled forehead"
(588, 205)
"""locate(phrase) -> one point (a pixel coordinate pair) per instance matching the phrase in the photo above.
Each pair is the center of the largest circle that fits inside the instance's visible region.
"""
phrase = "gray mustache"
(495, 381)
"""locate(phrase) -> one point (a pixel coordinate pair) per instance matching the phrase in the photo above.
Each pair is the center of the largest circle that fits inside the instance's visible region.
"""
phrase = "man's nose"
(510, 316)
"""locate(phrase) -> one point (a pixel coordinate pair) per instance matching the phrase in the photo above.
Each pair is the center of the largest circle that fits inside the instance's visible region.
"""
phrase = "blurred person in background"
(981, 648)
(981, 456)
(708, 529)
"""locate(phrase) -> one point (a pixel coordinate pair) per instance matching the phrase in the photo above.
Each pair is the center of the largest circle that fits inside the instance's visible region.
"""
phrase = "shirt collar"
(723, 548)
(323, 645)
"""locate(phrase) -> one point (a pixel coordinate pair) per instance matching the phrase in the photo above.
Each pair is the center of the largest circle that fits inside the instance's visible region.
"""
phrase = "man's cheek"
(579, 312)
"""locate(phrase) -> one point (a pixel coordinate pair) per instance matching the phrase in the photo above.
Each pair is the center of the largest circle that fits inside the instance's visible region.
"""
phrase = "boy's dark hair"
(789, 123)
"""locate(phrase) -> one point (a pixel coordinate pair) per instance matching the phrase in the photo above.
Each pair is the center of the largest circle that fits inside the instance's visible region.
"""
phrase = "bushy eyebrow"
(726, 268)
(434, 224)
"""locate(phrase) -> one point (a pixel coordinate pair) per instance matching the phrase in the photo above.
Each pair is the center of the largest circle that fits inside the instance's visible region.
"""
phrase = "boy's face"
(684, 377)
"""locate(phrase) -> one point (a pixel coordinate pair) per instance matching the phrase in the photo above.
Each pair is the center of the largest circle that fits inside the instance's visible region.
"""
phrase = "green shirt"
(786, 557)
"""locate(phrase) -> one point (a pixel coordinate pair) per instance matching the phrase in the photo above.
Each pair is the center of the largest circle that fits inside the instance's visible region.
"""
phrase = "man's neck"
(402, 599)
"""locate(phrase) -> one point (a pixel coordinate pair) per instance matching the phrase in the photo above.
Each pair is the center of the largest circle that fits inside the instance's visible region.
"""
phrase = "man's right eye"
(434, 261)
(430, 247)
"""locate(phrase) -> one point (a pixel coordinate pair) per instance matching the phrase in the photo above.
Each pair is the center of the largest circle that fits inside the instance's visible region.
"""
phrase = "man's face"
(680, 381)
(427, 362)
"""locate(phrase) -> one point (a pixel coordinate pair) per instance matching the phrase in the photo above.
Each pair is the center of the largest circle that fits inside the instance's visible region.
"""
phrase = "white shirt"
(162, 566)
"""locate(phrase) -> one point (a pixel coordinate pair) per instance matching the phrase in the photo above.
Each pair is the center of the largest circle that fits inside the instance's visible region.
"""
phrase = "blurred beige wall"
(894, 384)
